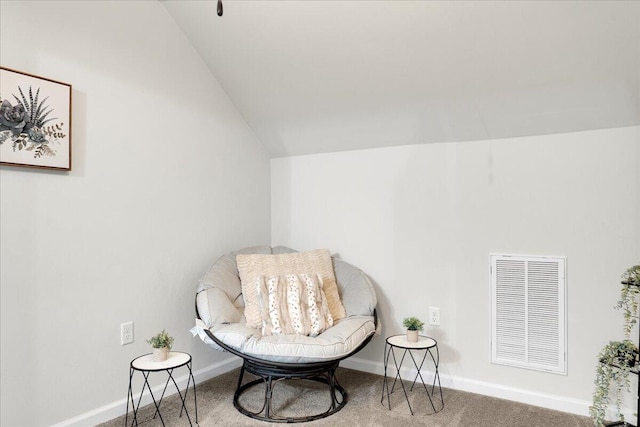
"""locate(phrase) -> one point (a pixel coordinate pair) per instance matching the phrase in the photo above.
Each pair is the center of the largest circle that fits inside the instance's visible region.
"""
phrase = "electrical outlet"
(126, 333)
(434, 316)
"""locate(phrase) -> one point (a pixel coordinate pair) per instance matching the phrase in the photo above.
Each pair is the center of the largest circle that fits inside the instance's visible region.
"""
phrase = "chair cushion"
(336, 342)
(223, 274)
(213, 308)
(358, 294)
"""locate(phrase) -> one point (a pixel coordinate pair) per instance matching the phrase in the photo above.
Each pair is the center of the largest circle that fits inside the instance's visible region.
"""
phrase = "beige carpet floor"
(363, 409)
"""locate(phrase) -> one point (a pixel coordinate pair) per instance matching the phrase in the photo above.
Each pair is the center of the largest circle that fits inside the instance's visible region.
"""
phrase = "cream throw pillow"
(252, 266)
(293, 304)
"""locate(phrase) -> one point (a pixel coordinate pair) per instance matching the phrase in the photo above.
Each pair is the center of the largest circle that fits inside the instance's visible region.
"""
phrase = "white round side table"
(424, 343)
(146, 365)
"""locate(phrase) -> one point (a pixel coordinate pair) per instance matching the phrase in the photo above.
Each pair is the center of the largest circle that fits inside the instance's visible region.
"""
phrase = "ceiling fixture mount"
(219, 7)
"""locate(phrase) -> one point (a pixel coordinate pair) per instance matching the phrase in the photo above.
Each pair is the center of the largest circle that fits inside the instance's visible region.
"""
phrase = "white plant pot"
(412, 336)
(160, 354)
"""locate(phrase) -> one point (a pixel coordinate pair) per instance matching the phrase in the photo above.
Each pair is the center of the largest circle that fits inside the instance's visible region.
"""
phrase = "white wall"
(166, 177)
(422, 221)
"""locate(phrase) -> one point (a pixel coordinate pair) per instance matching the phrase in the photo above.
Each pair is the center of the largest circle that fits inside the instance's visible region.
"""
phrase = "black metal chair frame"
(270, 373)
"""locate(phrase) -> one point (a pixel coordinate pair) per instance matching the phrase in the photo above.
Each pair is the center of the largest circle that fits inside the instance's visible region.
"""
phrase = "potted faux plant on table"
(161, 343)
(612, 377)
(413, 325)
(617, 358)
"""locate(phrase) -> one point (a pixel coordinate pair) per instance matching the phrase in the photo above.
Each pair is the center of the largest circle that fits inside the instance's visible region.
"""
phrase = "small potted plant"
(161, 344)
(413, 325)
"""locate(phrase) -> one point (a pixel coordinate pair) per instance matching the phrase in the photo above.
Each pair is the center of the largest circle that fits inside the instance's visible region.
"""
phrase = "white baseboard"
(550, 401)
(119, 407)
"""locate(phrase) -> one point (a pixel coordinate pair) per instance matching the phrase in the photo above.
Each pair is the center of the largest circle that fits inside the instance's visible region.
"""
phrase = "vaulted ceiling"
(320, 76)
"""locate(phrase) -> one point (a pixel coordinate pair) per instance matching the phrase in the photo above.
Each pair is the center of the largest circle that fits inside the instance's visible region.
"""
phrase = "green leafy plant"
(413, 324)
(615, 361)
(161, 340)
(628, 301)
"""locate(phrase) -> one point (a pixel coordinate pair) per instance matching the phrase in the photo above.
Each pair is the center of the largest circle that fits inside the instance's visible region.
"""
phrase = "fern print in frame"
(35, 121)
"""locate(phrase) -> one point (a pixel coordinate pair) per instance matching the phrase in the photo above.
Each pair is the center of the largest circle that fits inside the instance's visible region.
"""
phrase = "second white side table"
(428, 346)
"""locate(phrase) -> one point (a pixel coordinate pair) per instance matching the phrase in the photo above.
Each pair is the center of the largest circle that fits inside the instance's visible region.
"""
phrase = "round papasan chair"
(228, 320)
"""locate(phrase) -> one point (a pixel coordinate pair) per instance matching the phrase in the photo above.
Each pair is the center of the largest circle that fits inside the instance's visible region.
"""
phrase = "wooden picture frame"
(35, 121)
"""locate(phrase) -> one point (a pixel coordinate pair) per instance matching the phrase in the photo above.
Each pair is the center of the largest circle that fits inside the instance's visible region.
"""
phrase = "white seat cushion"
(334, 343)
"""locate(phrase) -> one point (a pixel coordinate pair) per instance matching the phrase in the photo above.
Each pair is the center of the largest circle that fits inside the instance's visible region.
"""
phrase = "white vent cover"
(528, 312)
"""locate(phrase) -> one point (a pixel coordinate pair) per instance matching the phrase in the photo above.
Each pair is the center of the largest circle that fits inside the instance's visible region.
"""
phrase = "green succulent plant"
(413, 324)
(161, 340)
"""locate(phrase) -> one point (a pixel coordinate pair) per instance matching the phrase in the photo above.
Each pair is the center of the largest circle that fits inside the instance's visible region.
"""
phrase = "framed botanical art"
(35, 121)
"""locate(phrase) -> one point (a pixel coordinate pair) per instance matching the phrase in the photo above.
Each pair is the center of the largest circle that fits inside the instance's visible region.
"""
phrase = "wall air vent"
(528, 312)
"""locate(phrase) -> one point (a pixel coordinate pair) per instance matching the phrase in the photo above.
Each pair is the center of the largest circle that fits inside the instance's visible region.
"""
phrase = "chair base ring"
(269, 375)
